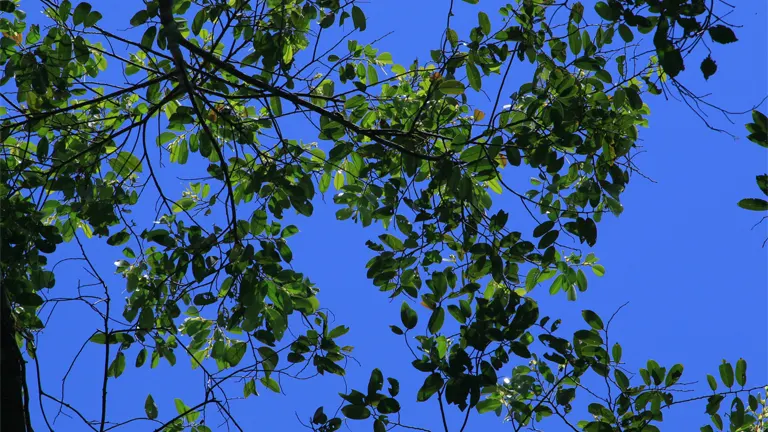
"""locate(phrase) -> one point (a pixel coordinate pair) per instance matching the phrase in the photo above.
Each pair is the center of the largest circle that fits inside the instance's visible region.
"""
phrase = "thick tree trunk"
(13, 412)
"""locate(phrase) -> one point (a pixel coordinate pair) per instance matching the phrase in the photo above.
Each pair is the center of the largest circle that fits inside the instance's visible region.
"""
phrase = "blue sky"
(683, 256)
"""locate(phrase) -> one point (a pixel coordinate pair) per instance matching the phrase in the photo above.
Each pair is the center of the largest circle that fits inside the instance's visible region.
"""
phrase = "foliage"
(408, 149)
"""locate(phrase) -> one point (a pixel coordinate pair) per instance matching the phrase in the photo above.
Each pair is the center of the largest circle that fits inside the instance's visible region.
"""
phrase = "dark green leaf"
(713, 403)
(548, 239)
(592, 319)
(708, 67)
(741, 372)
(722, 34)
(358, 18)
(606, 12)
(762, 183)
(436, 320)
(408, 316)
(81, 13)
(755, 204)
(150, 408)
(28, 299)
(356, 412)
(626, 33)
(92, 19)
(432, 384)
(726, 374)
(672, 61)
(140, 17)
(543, 228)
(388, 406)
(376, 382)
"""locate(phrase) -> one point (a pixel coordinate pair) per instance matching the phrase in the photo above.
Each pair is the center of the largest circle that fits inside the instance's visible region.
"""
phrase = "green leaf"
(635, 102)
(626, 33)
(712, 382)
(599, 426)
(436, 320)
(741, 372)
(92, 19)
(488, 405)
(394, 387)
(375, 382)
(722, 34)
(708, 67)
(149, 37)
(587, 63)
(621, 379)
(485, 22)
(754, 204)
(205, 298)
(235, 353)
(275, 103)
(139, 17)
(452, 87)
(28, 299)
(181, 407)
(249, 388)
(762, 183)
(118, 238)
(378, 426)
(592, 319)
(548, 239)
(672, 61)
(473, 75)
(150, 408)
(358, 18)
(543, 228)
(183, 205)
(125, 164)
(713, 404)
(606, 12)
(338, 180)
(356, 412)
(117, 366)
(616, 353)
(588, 337)
(726, 374)
(388, 406)
(141, 358)
(271, 384)
(598, 270)
(197, 23)
(674, 374)
(432, 384)
(81, 13)
(408, 316)
(574, 39)
(384, 58)
(258, 222)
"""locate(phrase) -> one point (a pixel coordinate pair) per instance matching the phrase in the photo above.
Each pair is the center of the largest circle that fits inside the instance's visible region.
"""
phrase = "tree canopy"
(266, 107)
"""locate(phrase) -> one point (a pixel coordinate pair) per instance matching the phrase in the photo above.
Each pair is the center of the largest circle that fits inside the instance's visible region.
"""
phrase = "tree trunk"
(14, 416)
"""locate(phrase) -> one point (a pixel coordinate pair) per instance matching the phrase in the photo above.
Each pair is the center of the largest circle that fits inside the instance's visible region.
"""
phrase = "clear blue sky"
(683, 255)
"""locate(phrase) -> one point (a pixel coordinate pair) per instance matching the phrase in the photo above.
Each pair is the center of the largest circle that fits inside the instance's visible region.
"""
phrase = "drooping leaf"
(708, 67)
